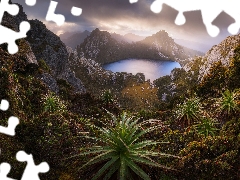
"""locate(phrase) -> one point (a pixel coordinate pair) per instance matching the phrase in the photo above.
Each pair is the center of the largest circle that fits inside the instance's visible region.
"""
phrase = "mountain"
(103, 48)
(74, 38)
(223, 52)
(193, 45)
(67, 34)
(42, 47)
(118, 37)
(130, 37)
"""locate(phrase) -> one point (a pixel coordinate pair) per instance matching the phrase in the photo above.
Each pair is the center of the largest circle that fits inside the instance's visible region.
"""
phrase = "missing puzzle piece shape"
(31, 170)
(4, 105)
(30, 2)
(59, 19)
(12, 9)
(133, 1)
(9, 36)
(76, 11)
(12, 124)
(4, 170)
(210, 10)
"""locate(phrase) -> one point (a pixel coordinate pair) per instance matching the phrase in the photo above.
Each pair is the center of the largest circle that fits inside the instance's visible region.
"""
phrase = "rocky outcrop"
(223, 52)
(42, 44)
(48, 47)
(25, 52)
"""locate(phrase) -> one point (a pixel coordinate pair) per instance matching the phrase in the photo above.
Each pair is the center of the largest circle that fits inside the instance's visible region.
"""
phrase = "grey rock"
(48, 46)
(50, 82)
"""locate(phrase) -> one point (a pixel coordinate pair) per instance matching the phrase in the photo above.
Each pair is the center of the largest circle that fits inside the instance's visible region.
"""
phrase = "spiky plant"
(228, 102)
(189, 111)
(121, 150)
(107, 97)
(206, 127)
(52, 103)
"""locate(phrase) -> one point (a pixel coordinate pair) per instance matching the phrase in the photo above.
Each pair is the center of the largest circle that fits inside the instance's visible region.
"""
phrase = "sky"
(121, 17)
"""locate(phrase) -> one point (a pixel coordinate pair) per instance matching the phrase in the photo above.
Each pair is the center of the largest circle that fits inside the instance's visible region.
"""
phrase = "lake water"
(152, 69)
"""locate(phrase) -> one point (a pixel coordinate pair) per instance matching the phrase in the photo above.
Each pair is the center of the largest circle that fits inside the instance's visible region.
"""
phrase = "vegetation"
(198, 119)
(188, 112)
(121, 146)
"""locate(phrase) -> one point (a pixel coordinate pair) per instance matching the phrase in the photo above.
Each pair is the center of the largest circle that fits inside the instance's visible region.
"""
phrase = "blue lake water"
(152, 69)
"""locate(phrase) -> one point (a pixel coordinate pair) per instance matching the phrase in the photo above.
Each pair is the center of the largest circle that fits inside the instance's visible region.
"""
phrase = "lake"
(152, 69)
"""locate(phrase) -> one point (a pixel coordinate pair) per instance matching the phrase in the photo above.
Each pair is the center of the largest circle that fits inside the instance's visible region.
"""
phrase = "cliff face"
(98, 79)
(42, 44)
(103, 48)
(223, 52)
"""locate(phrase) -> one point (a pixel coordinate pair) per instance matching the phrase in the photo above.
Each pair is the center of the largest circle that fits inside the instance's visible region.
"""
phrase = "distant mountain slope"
(103, 48)
(223, 52)
(130, 37)
(127, 37)
(74, 38)
(193, 45)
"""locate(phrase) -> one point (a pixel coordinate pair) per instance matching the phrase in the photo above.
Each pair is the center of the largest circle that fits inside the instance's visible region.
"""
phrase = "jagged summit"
(42, 44)
(102, 47)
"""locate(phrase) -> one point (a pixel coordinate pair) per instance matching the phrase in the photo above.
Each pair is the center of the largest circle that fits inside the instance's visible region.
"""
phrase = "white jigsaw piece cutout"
(210, 10)
(30, 2)
(31, 171)
(4, 105)
(59, 19)
(4, 170)
(7, 35)
(12, 121)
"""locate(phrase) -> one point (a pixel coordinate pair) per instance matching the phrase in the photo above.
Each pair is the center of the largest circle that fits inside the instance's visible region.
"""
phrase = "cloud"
(122, 17)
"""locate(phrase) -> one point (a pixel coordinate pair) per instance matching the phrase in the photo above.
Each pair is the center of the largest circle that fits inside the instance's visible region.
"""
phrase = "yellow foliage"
(141, 96)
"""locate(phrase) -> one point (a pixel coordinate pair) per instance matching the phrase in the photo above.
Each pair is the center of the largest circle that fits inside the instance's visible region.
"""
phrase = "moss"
(43, 67)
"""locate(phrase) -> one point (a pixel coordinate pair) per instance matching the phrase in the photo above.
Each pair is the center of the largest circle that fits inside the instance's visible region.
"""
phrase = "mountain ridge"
(103, 48)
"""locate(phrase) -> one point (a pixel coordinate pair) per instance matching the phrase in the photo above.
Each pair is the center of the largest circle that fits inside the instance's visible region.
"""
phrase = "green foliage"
(213, 157)
(228, 102)
(214, 82)
(43, 67)
(107, 97)
(206, 127)
(121, 149)
(188, 112)
(52, 103)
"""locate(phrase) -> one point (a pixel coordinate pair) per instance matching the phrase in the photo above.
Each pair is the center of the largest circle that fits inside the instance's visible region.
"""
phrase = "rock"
(50, 82)
(48, 46)
(103, 48)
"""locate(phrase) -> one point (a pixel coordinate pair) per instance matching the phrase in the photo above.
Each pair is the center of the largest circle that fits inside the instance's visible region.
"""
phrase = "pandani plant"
(121, 149)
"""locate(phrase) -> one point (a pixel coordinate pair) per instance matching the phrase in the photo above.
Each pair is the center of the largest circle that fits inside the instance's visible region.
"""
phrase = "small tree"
(188, 112)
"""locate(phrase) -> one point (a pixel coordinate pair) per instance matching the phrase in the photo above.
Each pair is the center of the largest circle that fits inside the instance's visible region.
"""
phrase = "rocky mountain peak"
(103, 48)
(42, 44)
(223, 52)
